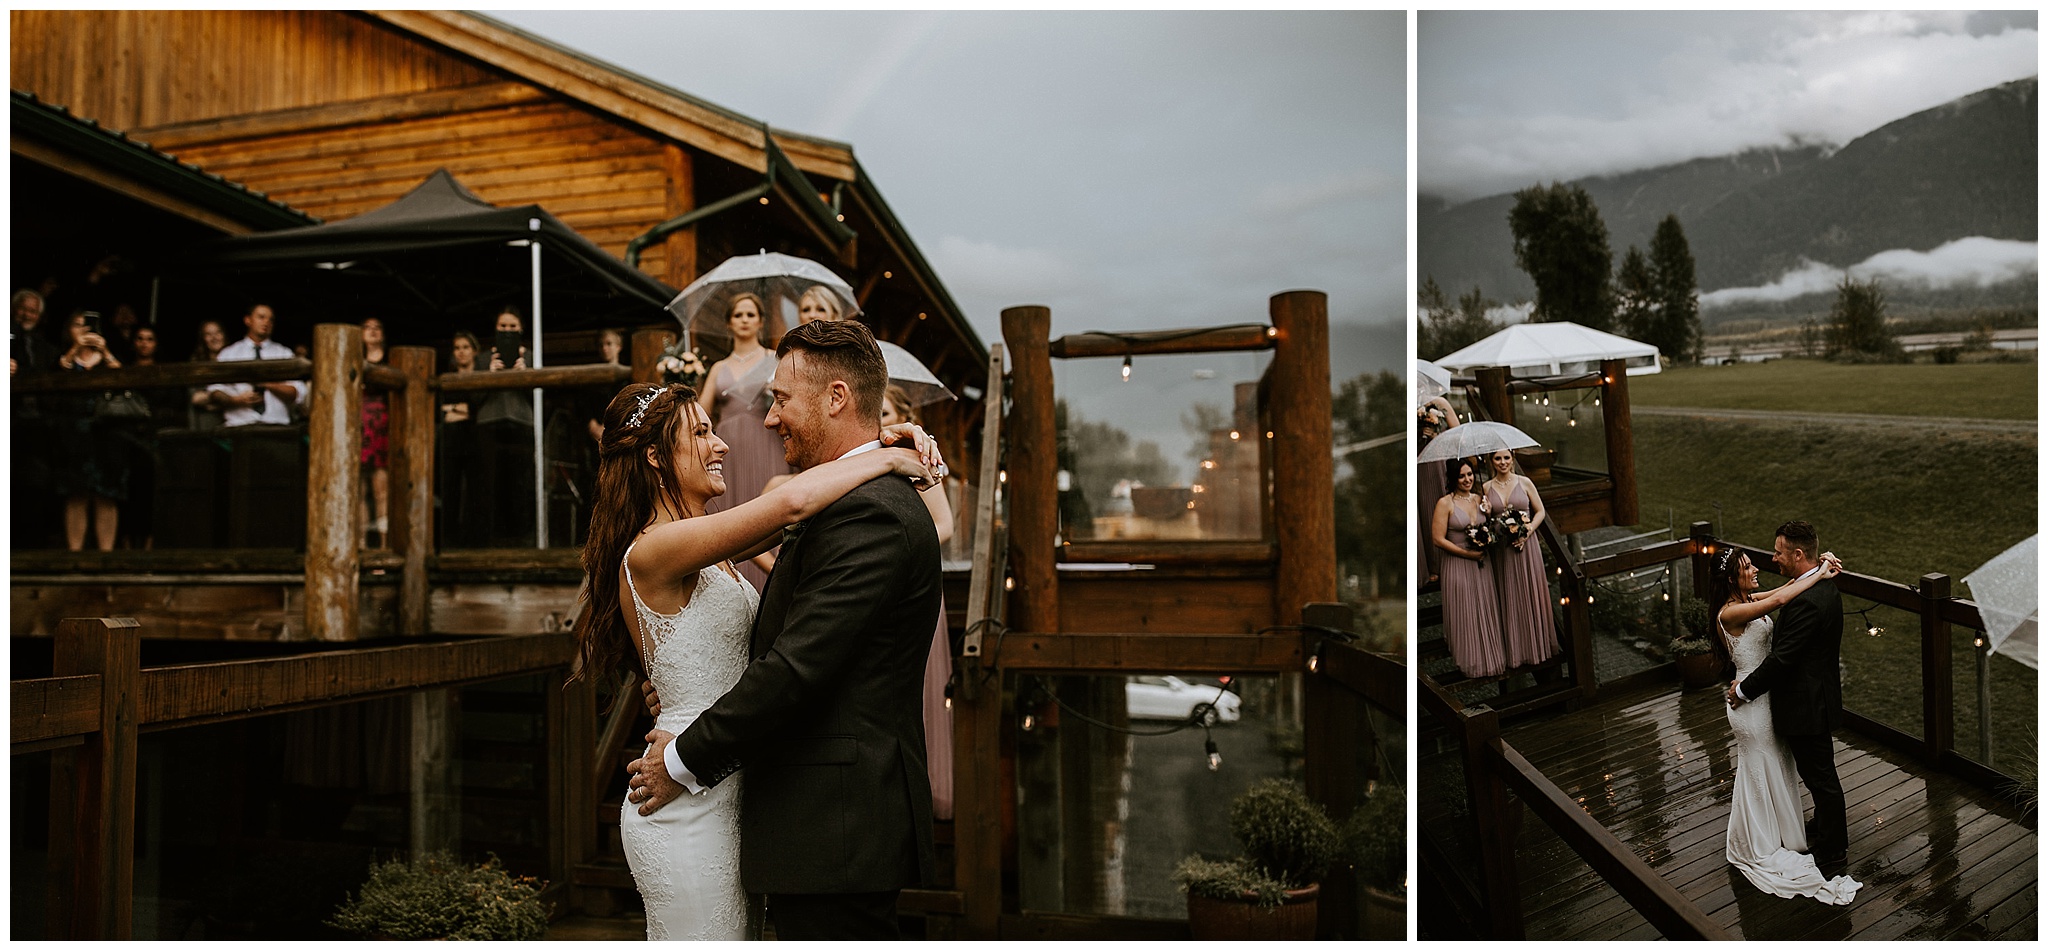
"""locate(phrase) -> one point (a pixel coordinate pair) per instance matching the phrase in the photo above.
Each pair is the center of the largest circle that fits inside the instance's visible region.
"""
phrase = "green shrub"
(437, 897)
(1229, 881)
(1283, 833)
(1376, 837)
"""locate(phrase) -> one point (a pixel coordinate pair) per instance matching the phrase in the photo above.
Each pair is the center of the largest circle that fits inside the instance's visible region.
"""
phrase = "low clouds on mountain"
(1977, 262)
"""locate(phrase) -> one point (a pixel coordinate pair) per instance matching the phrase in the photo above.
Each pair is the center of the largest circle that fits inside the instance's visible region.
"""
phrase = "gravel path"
(1953, 423)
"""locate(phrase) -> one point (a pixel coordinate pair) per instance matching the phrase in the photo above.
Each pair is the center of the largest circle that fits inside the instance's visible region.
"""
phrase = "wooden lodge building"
(214, 736)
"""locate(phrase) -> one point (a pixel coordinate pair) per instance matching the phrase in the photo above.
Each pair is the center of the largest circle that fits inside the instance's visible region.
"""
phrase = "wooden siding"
(132, 69)
(606, 180)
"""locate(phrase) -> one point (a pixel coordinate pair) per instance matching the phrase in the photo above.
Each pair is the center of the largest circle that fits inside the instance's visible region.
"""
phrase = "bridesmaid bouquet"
(1482, 537)
(1511, 527)
(1430, 421)
(680, 365)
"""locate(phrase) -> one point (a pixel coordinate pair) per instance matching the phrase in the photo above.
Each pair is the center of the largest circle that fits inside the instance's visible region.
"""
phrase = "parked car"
(1171, 698)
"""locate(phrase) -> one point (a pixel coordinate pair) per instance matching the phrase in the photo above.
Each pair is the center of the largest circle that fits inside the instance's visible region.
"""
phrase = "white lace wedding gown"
(1766, 823)
(686, 856)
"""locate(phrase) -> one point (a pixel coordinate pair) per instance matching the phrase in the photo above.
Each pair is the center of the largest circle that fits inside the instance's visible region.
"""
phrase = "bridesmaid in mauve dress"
(938, 665)
(1524, 587)
(735, 395)
(1471, 600)
(1434, 417)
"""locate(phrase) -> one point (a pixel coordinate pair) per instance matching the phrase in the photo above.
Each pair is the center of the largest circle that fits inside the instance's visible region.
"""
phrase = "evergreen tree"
(1445, 328)
(1561, 243)
(1677, 327)
(1856, 322)
(1635, 306)
(1372, 502)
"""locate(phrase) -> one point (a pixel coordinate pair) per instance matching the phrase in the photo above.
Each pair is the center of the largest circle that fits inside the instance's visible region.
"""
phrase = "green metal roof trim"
(872, 196)
(45, 122)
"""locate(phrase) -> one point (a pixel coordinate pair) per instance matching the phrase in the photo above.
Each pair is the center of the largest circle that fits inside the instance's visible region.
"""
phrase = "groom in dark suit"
(1803, 672)
(836, 817)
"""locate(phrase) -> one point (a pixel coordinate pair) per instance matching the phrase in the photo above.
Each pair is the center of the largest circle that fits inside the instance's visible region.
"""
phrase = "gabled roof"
(51, 135)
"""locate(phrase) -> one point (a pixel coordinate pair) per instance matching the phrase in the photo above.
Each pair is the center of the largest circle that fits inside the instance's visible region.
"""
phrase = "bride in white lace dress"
(1766, 827)
(684, 619)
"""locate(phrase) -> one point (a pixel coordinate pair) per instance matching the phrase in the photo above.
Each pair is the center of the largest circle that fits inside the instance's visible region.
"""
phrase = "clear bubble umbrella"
(1431, 381)
(2007, 592)
(917, 380)
(1474, 439)
(778, 279)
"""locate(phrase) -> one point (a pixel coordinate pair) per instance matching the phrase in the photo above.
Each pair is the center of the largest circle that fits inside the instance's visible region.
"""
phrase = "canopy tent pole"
(540, 487)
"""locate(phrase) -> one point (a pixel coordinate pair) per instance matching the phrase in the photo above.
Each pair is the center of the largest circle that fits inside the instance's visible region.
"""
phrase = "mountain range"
(1964, 168)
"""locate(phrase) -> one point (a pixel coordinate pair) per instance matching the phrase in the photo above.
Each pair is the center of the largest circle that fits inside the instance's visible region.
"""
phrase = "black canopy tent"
(434, 262)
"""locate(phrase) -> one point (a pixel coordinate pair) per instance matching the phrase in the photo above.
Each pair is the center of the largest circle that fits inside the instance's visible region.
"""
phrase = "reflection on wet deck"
(1938, 857)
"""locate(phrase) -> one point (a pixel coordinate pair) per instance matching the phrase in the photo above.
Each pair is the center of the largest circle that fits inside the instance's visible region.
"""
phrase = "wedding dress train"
(1766, 827)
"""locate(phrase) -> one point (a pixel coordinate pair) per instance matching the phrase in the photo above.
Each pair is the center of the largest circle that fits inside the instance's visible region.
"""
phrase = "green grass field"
(1891, 505)
(1982, 390)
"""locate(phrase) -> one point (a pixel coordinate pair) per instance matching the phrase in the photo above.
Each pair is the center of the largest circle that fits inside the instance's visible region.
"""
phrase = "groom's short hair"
(842, 350)
(1801, 535)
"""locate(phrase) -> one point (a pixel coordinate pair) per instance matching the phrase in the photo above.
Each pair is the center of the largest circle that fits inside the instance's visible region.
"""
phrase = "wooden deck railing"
(91, 712)
(1492, 765)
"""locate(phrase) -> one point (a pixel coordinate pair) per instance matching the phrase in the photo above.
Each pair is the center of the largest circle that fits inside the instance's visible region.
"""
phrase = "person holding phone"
(503, 483)
(94, 475)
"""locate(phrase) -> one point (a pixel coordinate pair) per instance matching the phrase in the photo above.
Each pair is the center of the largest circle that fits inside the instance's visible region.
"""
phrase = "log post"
(92, 787)
(436, 801)
(1304, 490)
(1703, 544)
(1621, 440)
(1334, 733)
(1033, 459)
(980, 793)
(334, 482)
(415, 412)
(648, 342)
(578, 825)
(1937, 670)
(1494, 398)
(679, 173)
(1493, 813)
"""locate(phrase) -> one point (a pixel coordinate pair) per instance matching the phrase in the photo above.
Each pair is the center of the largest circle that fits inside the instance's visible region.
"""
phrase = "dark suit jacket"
(1804, 671)
(828, 719)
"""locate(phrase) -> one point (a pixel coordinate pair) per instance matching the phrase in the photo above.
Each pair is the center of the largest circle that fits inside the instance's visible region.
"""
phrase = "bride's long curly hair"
(1724, 585)
(643, 415)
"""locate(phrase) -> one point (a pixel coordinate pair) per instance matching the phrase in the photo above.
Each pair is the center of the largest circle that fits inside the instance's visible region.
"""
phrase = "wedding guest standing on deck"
(736, 396)
(1525, 616)
(1471, 598)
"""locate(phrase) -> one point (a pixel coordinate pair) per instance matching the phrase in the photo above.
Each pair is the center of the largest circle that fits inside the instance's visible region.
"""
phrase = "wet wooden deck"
(1938, 858)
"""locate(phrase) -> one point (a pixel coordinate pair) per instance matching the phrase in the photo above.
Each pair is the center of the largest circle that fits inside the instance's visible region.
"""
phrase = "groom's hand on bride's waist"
(650, 784)
(653, 699)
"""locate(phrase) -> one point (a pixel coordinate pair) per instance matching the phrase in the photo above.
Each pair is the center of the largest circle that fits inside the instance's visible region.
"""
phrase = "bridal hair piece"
(640, 406)
(1727, 558)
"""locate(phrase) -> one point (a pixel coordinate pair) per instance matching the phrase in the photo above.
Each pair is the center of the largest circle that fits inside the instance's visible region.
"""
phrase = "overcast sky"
(1127, 170)
(1505, 100)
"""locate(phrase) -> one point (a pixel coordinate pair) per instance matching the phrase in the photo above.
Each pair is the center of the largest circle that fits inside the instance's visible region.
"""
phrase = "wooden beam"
(1376, 677)
(176, 565)
(1141, 343)
(978, 703)
(1937, 671)
(164, 375)
(679, 177)
(1192, 653)
(1637, 558)
(376, 110)
(646, 347)
(582, 374)
(189, 695)
(1047, 926)
(1169, 553)
(50, 707)
(334, 489)
(509, 559)
(928, 901)
(1304, 515)
(414, 415)
(92, 788)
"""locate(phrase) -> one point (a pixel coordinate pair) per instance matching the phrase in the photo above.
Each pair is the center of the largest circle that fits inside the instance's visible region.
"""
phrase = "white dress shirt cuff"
(676, 771)
(1739, 693)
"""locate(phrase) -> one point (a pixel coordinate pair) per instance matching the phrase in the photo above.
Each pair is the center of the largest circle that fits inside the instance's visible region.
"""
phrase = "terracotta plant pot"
(1699, 670)
(1382, 916)
(1217, 919)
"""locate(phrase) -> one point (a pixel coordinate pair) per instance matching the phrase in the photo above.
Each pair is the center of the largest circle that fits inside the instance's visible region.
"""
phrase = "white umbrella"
(778, 279)
(909, 372)
(1474, 439)
(1431, 381)
(2007, 593)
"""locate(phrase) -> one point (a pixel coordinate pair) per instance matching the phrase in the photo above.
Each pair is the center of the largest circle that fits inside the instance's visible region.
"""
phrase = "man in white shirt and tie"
(243, 404)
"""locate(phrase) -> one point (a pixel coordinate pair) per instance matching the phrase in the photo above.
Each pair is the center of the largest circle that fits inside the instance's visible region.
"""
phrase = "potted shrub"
(1269, 892)
(436, 897)
(1376, 844)
(1691, 649)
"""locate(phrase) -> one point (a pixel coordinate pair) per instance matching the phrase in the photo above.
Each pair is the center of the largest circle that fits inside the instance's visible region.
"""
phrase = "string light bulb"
(1215, 756)
(1029, 722)
(1127, 368)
